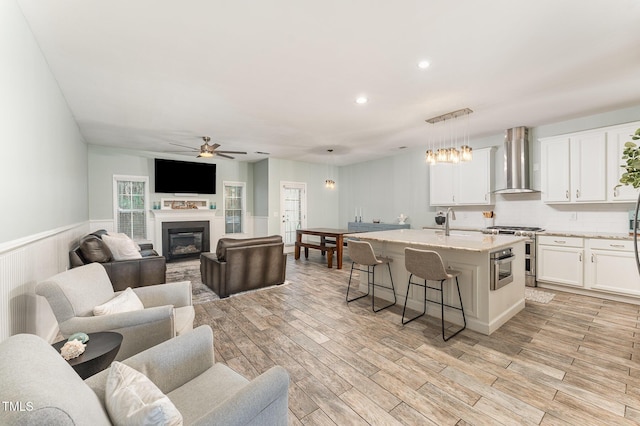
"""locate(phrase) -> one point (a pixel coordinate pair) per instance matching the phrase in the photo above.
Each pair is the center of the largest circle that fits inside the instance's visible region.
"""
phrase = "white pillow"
(126, 301)
(122, 235)
(132, 399)
(122, 248)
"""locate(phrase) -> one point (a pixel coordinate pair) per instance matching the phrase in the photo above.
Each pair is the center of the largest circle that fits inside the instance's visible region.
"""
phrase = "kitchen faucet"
(446, 221)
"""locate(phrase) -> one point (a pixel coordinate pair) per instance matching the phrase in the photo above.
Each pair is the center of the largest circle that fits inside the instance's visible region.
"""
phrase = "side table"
(100, 352)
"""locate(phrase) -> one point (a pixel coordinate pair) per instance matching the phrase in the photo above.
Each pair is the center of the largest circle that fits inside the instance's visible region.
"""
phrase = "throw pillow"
(122, 248)
(126, 301)
(132, 399)
(123, 235)
(93, 249)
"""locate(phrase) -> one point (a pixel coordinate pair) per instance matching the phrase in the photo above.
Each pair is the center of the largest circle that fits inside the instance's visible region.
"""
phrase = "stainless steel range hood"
(516, 161)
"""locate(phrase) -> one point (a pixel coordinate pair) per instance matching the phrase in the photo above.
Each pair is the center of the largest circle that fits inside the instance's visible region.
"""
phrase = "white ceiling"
(282, 76)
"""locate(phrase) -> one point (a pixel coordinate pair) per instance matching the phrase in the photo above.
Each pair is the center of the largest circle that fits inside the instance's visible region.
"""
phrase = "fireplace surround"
(185, 239)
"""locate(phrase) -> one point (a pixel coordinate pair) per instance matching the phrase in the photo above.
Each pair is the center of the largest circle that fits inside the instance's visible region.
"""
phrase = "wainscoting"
(23, 263)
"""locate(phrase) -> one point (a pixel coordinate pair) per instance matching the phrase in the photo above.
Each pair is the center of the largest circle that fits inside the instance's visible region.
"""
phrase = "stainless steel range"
(530, 247)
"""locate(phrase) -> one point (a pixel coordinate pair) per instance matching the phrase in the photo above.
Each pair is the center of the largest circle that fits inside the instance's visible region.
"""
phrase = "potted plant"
(631, 176)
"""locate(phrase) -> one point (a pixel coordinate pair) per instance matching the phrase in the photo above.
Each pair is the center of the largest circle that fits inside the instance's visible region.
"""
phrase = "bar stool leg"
(393, 287)
(464, 318)
(424, 311)
(373, 297)
(349, 286)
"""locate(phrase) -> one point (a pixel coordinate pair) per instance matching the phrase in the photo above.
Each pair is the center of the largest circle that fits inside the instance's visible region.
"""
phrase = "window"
(233, 204)
(131, 195)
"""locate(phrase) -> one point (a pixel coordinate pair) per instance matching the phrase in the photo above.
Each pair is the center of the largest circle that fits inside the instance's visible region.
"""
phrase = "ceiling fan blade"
(223, 155)
(184, 146)
(215, 145)
(190, 152)
(230, 152)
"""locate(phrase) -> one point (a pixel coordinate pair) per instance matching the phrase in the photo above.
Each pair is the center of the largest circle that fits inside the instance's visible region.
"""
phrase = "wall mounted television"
(184, 177)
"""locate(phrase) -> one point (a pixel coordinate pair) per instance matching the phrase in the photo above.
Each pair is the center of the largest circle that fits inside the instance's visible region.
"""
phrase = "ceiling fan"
(208, 151)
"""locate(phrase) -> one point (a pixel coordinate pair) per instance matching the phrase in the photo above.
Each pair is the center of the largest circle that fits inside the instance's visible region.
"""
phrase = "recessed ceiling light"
(362, 100)
(423, 65)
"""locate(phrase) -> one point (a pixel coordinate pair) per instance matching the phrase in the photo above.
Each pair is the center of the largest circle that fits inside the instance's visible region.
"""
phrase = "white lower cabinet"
(560, 260)
(611, 266)
(590, 263)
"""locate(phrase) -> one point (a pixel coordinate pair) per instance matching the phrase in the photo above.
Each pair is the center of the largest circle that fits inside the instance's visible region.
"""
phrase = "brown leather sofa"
(244, 264)
(149, 270)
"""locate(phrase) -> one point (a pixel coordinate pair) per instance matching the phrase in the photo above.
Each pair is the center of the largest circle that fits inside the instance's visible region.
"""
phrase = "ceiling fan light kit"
(209, 151)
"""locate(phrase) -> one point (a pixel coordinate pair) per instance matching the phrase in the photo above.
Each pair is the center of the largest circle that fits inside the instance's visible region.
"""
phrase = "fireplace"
(181, 240)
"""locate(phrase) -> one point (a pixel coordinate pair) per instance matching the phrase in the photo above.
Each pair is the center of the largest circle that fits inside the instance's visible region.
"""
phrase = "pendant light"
(330, 183)
(451, 144)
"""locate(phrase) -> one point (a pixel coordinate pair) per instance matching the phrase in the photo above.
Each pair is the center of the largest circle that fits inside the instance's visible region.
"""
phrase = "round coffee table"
(100, 352)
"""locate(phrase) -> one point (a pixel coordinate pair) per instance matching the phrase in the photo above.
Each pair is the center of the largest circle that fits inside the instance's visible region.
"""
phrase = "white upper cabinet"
(441, 179)
(468, 183)
(616, 138)
(555, 179)
(474, 179)
(585, 167)
(588, 167)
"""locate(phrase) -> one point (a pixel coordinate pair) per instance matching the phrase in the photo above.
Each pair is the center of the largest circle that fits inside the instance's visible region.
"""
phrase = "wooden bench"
(322, 247)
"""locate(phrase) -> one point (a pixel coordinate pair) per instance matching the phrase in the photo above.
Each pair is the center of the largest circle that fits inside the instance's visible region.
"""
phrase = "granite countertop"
(577, 234)
(580, 234)
(458, 240)
(455, 228)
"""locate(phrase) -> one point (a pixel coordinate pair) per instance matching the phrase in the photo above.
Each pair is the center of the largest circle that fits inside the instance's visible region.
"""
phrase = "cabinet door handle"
(485, 196)
(617, 245)
(454, 198)
(615, 192)
(579, 257)
(566, 194)
(559, 241)
(592, 259)
(577, 193)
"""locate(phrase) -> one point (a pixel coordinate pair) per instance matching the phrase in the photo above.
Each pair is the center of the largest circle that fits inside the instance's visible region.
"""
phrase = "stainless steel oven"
(501, 267)
(529, 247)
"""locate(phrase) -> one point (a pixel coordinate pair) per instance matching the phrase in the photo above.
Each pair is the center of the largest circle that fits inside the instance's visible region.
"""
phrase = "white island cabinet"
(486, 310)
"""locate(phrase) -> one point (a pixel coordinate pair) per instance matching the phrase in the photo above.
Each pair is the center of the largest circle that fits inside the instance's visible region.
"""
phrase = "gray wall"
(43, 166)
(322, 203)
(104, 162)
(261, 188)
(385, 188)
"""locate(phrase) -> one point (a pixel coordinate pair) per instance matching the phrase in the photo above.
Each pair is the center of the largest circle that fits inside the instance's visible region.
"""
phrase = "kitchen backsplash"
(529, 210)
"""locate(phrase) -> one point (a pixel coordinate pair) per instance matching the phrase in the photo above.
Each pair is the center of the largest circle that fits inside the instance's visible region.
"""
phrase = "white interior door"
(293, 208)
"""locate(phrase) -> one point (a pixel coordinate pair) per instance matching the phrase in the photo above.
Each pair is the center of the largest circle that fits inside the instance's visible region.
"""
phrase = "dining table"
(330, 240)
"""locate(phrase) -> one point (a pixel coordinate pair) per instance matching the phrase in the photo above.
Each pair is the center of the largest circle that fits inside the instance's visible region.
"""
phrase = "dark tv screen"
(185, 177)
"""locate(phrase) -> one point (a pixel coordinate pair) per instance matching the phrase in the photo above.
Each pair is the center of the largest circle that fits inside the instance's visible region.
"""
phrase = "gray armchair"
(73, 294)
(184, 369)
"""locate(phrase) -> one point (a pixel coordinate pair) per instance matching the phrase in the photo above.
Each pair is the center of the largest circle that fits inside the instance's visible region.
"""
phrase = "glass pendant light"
(329, 183)
(448, 149)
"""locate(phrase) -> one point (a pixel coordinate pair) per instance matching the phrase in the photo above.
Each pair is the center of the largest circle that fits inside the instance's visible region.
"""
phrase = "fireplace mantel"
(184, 215)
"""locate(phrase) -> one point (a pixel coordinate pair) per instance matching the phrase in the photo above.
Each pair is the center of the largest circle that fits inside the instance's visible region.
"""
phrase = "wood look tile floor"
(571, 361)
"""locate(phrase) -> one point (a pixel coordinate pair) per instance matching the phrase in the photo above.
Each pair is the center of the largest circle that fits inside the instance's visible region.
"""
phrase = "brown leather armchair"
(151, 269)
(244, 264)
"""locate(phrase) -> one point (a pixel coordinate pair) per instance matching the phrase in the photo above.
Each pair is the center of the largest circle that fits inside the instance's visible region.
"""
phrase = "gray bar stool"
(361, 253)
(428, 265)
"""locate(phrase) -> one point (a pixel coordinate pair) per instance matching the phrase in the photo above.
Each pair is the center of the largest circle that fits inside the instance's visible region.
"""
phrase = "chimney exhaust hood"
(516, 161)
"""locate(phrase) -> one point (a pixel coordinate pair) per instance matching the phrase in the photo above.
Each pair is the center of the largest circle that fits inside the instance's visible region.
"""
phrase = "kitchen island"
(468, 252)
